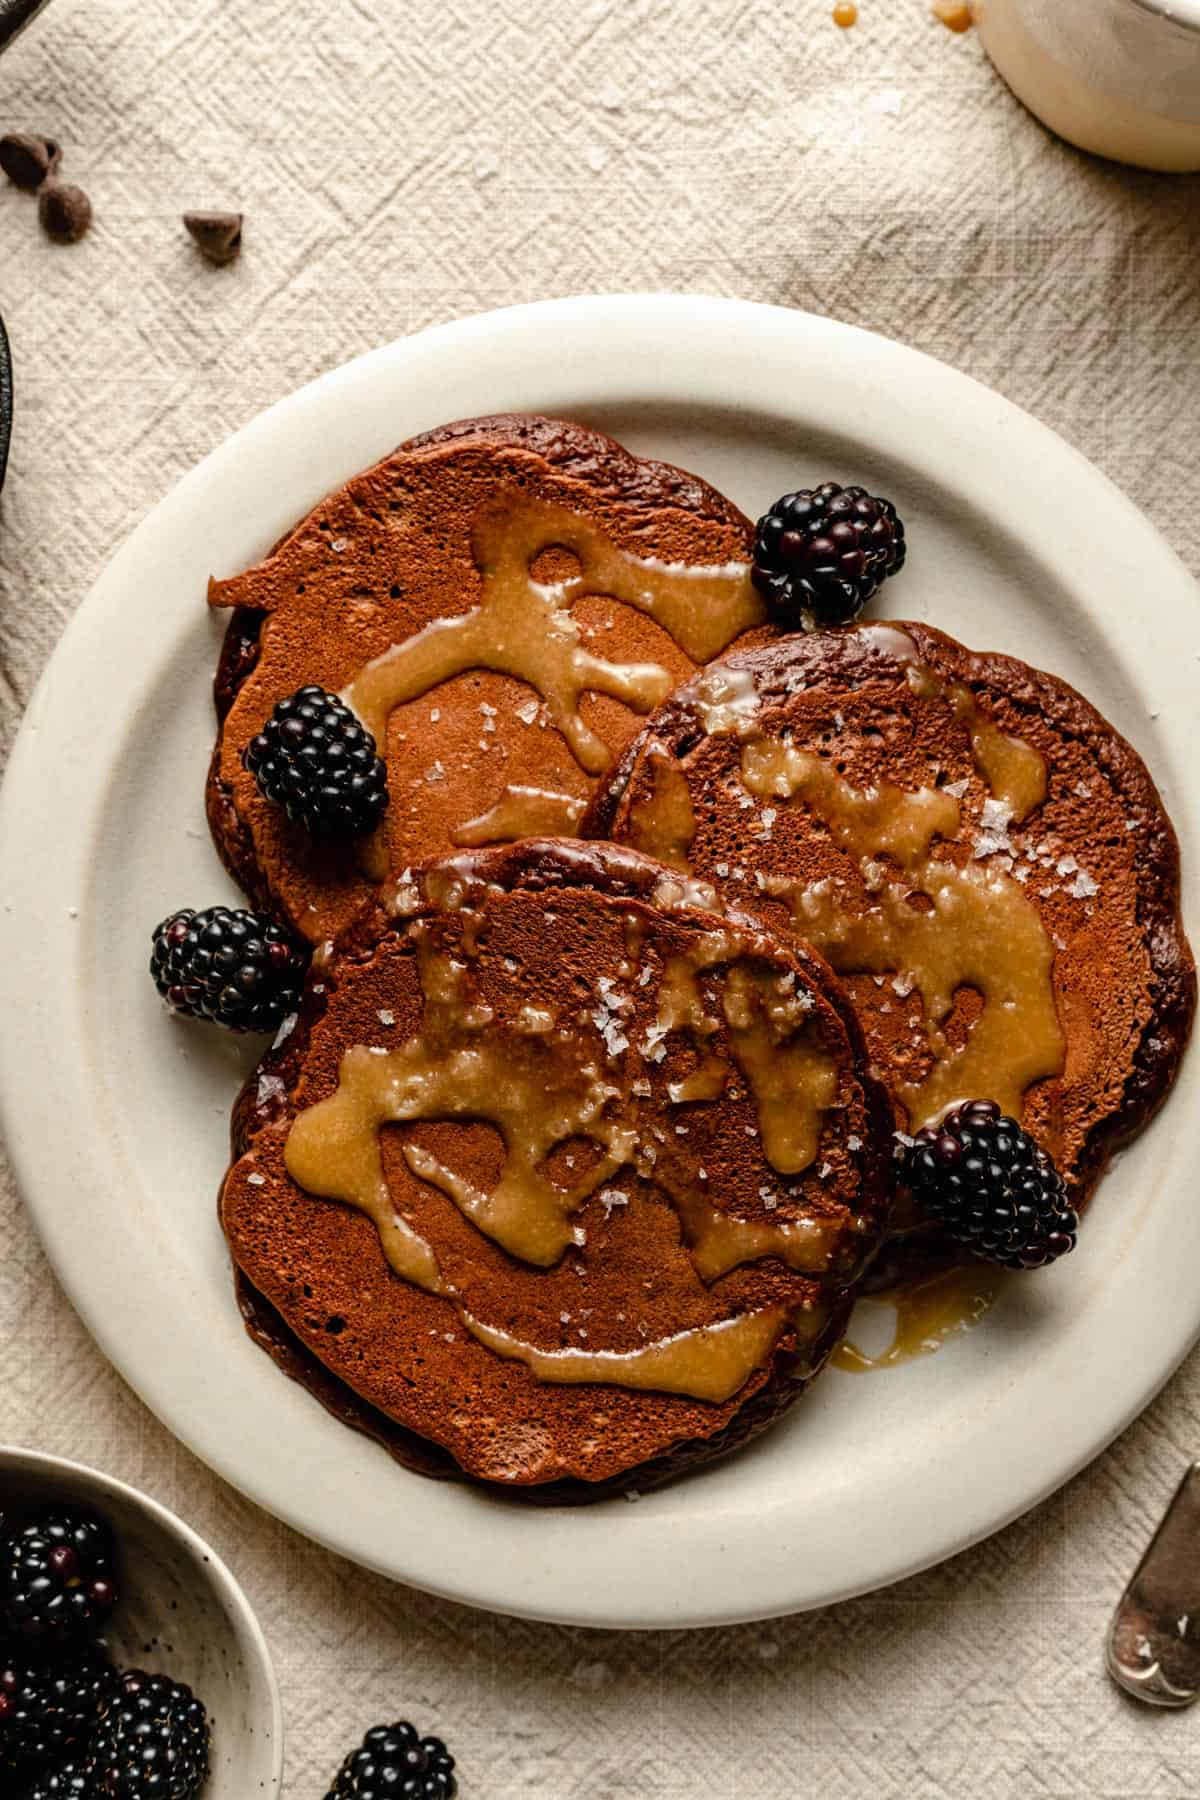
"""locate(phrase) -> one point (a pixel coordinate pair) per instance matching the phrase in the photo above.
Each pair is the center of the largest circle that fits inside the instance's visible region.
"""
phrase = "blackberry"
(74, 1780)
(48, 1707)
(315, 759)
(990, 1186)
(56, 1576)
(820, 553)
(393, 1762)
(152, 1742)
(233, 967)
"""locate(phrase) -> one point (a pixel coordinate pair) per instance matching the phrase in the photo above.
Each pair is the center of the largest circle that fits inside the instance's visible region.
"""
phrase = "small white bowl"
(1118, 77)
(179, 1613)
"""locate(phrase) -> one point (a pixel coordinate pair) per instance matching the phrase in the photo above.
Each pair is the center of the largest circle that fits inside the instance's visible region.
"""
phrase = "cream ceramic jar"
(1117, 77)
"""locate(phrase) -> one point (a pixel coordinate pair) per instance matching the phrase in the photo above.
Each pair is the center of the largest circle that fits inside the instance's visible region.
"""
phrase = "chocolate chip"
(218, 235)
(65, 212)
(27, 158)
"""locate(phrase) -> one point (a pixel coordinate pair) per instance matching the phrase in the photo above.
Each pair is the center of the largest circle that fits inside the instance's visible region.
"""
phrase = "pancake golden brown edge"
(499, 601)
(980, 856)
(558, 1172)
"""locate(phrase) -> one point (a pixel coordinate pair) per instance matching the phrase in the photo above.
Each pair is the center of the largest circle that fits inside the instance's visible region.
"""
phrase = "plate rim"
(657, 348)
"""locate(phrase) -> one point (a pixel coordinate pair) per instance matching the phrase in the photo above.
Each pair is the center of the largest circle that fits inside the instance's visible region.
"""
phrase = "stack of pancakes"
(568, 1170)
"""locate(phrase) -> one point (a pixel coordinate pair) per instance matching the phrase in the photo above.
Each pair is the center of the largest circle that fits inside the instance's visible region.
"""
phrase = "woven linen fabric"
(401, 164)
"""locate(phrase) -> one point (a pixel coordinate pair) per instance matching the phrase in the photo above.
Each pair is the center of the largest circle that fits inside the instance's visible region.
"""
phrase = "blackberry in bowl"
(179, 1621)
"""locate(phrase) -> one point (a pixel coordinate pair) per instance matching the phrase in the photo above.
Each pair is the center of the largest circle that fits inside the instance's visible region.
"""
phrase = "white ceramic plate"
(117, 1114)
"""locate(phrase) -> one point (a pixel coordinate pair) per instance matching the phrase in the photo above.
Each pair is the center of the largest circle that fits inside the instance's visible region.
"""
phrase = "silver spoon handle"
(6, 400)
(1153, 1648)
(15, 16)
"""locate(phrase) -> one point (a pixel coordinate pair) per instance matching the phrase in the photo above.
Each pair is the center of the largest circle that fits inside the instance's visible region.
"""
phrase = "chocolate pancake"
(498, 601)
(557, 1171)
(984, 861)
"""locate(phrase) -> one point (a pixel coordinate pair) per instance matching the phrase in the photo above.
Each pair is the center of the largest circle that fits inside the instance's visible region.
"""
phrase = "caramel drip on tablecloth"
(928, 1313)
(978, 929)
(522, 812)
(537, 1083)
(662, 822)
(955, 15)
(524, 628)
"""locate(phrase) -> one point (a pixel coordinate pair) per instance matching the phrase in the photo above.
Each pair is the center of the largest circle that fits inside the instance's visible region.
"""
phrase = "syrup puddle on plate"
(924, 1315)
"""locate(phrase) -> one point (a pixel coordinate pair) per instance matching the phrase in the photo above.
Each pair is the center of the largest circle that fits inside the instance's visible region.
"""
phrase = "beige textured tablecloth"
(403, 163)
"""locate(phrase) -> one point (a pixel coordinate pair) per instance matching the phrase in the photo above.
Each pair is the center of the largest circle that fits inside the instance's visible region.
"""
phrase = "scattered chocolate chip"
(65, 212)
(218, 235)
(27, 158)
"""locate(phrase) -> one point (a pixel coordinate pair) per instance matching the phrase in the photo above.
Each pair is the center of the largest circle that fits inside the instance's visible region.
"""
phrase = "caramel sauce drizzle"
(539, 1086)
(662, 821)
(794, 1081)
(718, 1243)
(928, 1312)
(983, 932)
(709, 1362)
(681, 1002)
(879, 821)
(671, 891)
(522, 812)
(726, 700)
(537, 1089)
(1014, 771)
(706, 1082)
(980, 928)
(524, 627)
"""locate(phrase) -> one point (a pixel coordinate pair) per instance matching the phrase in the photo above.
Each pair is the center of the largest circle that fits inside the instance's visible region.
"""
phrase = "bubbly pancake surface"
(500, 601)
(561, 1173)
(981, 857)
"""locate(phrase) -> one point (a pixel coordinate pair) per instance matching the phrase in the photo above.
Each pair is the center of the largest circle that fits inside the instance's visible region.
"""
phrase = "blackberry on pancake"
(991, 1187)
(561, 1172)
(981, 857)
(313, 758)
(498, 603)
